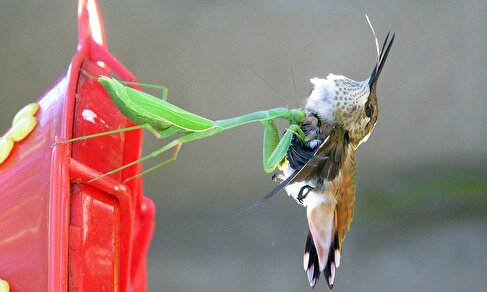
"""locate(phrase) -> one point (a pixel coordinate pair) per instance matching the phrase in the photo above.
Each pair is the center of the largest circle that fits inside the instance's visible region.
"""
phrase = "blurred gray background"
(420, 221)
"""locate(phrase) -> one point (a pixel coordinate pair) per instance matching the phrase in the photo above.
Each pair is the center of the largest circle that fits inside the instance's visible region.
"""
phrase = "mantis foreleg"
(274, 150)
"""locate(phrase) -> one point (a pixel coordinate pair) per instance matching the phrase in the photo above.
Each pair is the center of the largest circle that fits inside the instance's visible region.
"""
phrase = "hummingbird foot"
(303, 193)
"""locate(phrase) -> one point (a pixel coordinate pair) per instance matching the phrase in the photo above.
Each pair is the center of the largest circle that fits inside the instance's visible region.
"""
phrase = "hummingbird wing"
(327, 159)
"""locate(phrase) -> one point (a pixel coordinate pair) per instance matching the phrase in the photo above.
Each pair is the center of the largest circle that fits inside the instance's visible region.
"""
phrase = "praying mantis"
(166, 120)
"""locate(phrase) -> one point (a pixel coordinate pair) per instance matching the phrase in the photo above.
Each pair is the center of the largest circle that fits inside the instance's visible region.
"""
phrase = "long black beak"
(382, 59)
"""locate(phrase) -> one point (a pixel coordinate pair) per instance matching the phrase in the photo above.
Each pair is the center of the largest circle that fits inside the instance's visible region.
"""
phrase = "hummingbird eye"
(369, 110)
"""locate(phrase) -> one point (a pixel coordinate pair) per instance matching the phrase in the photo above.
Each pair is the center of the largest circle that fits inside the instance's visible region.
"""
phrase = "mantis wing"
(143, 108)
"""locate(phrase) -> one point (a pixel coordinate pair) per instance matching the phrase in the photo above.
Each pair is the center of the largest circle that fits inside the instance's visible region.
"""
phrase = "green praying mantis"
(166, 120)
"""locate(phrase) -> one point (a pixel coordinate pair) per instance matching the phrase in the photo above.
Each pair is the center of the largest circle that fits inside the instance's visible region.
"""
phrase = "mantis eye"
(369, 110)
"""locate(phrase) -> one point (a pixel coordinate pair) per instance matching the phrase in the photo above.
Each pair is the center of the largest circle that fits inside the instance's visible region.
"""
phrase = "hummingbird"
(320, 170)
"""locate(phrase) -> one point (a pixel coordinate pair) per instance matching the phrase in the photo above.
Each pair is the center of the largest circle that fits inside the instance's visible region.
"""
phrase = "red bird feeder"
(57, 232)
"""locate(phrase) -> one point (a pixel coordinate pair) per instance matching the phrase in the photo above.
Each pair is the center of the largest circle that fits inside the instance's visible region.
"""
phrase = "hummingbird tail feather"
(311, 262)
(322, 244)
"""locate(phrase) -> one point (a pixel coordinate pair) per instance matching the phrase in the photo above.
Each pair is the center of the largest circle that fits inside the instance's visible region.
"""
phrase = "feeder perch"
(57, 232)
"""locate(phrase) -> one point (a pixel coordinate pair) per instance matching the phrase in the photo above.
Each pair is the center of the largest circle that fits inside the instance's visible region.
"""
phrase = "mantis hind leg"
(176, 144)
(165, 162)
(164, 90)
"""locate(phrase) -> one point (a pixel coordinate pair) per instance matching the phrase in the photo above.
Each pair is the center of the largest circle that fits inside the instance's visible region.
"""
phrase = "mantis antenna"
(375, 37)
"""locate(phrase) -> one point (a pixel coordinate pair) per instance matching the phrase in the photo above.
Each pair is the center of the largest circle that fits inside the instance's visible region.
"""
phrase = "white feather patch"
(306, 260)
(337, 257)
(322, 98)
(313, 198)
(331, 280)
(311, 279)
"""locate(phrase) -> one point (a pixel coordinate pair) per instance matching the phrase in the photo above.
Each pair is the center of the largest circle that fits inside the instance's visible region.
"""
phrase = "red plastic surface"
(94, 240)
(58, 232)
(33, 221)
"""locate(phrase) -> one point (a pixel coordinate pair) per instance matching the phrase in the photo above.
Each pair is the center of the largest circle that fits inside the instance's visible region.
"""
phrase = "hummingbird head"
(351, 105)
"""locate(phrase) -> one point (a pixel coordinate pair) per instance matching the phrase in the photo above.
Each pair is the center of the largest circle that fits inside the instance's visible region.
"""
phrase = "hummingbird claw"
(303, 193)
